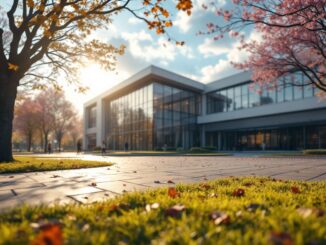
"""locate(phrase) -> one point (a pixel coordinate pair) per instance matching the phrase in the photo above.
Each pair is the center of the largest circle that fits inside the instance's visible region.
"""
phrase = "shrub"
(198, 150)
(170, 149)
(315, 152)
(210, 148)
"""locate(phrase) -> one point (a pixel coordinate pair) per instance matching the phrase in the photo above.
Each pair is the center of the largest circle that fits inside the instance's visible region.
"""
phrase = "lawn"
(24, 164)
(224, 211)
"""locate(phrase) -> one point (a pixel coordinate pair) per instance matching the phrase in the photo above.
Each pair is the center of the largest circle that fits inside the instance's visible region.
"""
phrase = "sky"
(201, 58)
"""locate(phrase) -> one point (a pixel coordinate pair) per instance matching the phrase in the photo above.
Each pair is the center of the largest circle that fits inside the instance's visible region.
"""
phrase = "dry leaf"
(172, 192)
(93, 184)
(175, 211)
(238, 193)
(50, 234)
(295, 190)
(220, 218)
(281, 238)
(170, 182)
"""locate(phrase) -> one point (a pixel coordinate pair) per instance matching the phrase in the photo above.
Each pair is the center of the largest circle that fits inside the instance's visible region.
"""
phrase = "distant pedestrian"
(49, 148)
(103, 147)
(126, 146)
(79, 147)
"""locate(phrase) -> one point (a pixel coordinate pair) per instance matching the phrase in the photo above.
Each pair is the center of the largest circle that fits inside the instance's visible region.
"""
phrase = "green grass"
(24, 164)
(269, 212)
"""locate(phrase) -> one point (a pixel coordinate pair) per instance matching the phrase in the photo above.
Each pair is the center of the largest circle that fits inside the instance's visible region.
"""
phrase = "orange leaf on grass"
(50, 234)
(280, 238)
(238, 193)
(172, 192)
(295, 190)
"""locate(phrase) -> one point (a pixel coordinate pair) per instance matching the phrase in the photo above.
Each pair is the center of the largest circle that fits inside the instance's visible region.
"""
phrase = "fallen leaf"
(205, 186)
(172, 192)
(175, 211)
(248, 184)
(55, 176)
(281, 238)
(306, 212)
(213, 195)
(149, 207)
(50, 234)
(220, 218)
(295, 190)
(124, 184)
(170, 182)
(253, 207)
(10, 177)
(157, 182)
(238, 192)
(93, 184)
(135, 171)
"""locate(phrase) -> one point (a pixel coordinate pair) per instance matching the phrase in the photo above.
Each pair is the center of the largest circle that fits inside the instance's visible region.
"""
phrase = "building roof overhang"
(149, 74)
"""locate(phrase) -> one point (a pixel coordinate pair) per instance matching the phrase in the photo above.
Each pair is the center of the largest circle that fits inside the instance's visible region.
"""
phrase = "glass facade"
(246, 95)
(283, 138)
(91, 116)
(153, 117)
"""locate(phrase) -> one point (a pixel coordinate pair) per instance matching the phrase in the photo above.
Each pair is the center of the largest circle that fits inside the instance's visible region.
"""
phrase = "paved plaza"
(140, 173)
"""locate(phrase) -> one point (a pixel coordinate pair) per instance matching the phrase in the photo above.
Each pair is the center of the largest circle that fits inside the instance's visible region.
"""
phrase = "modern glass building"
(158, 109)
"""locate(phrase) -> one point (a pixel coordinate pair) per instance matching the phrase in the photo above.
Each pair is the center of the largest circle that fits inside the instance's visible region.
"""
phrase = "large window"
(91, 115)
(152, 117)
(251, 95)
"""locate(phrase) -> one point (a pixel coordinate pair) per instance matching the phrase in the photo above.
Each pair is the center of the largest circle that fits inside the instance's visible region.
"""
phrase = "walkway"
(139, 173)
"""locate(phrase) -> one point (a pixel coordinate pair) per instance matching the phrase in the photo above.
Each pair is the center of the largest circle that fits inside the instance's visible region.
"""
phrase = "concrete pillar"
(99, 122)
(202, 136)
(85, 143)
(203, 105)
(219, 141)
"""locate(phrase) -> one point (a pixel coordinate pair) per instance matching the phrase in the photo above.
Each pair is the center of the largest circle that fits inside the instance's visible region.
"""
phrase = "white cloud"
(223, 67)
(184, 22)
(213, 48)
(134, 21)
(142, 45)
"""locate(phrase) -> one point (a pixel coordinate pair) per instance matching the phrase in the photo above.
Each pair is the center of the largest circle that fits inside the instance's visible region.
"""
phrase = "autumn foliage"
(42, 40)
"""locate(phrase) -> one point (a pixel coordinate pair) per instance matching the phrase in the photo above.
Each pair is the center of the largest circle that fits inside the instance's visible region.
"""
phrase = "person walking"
(103, 148)
(126, 146)
(49, 148)
(79, 147)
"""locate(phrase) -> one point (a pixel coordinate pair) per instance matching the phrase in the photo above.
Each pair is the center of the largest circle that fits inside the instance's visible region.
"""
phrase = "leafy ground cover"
(224, 211)
(24, 164)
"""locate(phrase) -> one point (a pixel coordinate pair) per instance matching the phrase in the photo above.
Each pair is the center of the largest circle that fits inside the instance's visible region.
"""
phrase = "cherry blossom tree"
(293, 34)
(48, 39)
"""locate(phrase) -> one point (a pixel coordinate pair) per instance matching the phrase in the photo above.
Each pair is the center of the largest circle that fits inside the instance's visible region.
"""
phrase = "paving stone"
(121, 186)
(139, 173)
(93, 197)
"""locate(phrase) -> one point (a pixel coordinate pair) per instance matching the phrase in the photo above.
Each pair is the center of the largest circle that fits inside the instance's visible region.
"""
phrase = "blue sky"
(200, 58)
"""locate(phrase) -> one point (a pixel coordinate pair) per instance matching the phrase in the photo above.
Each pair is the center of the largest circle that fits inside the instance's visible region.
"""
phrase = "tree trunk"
(46, 141)
(29, 141)
(8, 93)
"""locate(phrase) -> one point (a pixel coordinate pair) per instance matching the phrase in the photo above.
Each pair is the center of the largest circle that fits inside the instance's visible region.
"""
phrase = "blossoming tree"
(293, 34)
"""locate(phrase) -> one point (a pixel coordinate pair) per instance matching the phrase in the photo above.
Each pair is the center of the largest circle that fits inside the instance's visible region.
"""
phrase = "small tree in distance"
(41, 39)
(26, 121)
(293, 38)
